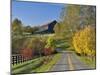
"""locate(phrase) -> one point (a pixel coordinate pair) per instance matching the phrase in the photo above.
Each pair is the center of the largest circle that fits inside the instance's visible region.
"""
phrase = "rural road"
(69, 61)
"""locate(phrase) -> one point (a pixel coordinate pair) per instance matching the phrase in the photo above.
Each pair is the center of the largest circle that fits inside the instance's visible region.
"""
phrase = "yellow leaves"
(50, 44)
(84, 41)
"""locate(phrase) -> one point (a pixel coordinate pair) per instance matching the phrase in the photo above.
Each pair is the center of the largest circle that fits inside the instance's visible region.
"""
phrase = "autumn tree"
(27, 53)
(70, 18)
(74, 18)
(50, 46)
(38, 45)
(84, 42)
(87, 15)
(30, 29)
(17, 27)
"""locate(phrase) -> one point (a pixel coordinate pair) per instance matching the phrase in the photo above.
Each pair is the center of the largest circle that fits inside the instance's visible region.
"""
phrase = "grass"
(35, 65)
(26, 67)
(48, 66)
(62, 43)
(22, 64)
(89, 62)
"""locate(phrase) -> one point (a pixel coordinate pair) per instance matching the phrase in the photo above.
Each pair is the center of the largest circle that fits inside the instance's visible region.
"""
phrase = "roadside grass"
(26, 67)
(49, 65)
(35, 65)
(89, 62)
(16, 66)
(63, 44)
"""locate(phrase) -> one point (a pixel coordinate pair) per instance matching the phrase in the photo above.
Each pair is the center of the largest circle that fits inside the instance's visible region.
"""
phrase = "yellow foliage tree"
(84, 41)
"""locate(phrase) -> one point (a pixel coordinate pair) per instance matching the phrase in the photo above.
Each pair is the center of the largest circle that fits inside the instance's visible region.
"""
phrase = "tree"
(17, 44)
(50, 46)
(74, 18)
(27, 53)
(38, 46)
(17, 27)
(88, 15)
(84, 42)
(69, 22)
(29, 29)
(71, 18)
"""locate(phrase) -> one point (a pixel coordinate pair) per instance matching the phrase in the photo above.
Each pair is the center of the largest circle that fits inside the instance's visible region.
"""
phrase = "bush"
(50, 46)
(27, 53)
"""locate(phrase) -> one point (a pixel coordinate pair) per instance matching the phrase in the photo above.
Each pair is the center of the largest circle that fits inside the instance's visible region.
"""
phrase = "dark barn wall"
(51, 26)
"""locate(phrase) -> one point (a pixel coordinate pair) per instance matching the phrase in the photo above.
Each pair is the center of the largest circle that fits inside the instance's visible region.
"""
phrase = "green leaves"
(17, 27)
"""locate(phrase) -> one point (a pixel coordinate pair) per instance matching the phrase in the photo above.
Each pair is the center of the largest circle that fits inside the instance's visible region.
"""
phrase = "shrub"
(27, 53)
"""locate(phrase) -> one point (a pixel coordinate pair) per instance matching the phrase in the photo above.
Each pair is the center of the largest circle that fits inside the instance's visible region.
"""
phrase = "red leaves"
(47, 51)
(27, 53)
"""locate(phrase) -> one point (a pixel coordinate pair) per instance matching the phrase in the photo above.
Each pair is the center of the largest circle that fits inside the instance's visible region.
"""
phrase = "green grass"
(63, 44)
(88, 61)
(48, 66)
(35, 65)
(22, 64)
(26, 67)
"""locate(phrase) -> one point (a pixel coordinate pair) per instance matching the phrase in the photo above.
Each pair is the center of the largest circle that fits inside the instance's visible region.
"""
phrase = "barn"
(47, 28)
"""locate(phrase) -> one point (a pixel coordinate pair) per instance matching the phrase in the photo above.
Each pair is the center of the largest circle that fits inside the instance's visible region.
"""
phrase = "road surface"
(69, 61)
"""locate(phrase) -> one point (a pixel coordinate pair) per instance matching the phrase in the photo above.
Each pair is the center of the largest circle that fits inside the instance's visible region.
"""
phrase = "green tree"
(29, 29)
(17, 27)
(88, 15)
(17, 45)
(50, 44)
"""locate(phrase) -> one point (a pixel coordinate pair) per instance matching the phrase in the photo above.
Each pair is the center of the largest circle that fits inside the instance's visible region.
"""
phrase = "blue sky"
(34, 13)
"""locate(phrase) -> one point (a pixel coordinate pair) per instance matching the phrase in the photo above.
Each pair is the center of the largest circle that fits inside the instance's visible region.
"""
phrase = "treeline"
(34, 47)
(19, 29)
(77, 25)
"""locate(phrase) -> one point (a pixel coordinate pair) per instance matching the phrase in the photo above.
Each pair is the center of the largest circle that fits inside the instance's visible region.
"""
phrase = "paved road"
(69, 61)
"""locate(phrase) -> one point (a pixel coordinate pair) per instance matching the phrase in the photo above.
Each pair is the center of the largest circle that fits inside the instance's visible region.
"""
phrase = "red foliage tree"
(47, 51)
(27, 53)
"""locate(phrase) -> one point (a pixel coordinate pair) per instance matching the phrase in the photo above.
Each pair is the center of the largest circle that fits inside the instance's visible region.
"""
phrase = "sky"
(34, 13)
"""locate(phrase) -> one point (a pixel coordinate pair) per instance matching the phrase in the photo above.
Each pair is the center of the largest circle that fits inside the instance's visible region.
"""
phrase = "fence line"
(16, 59)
